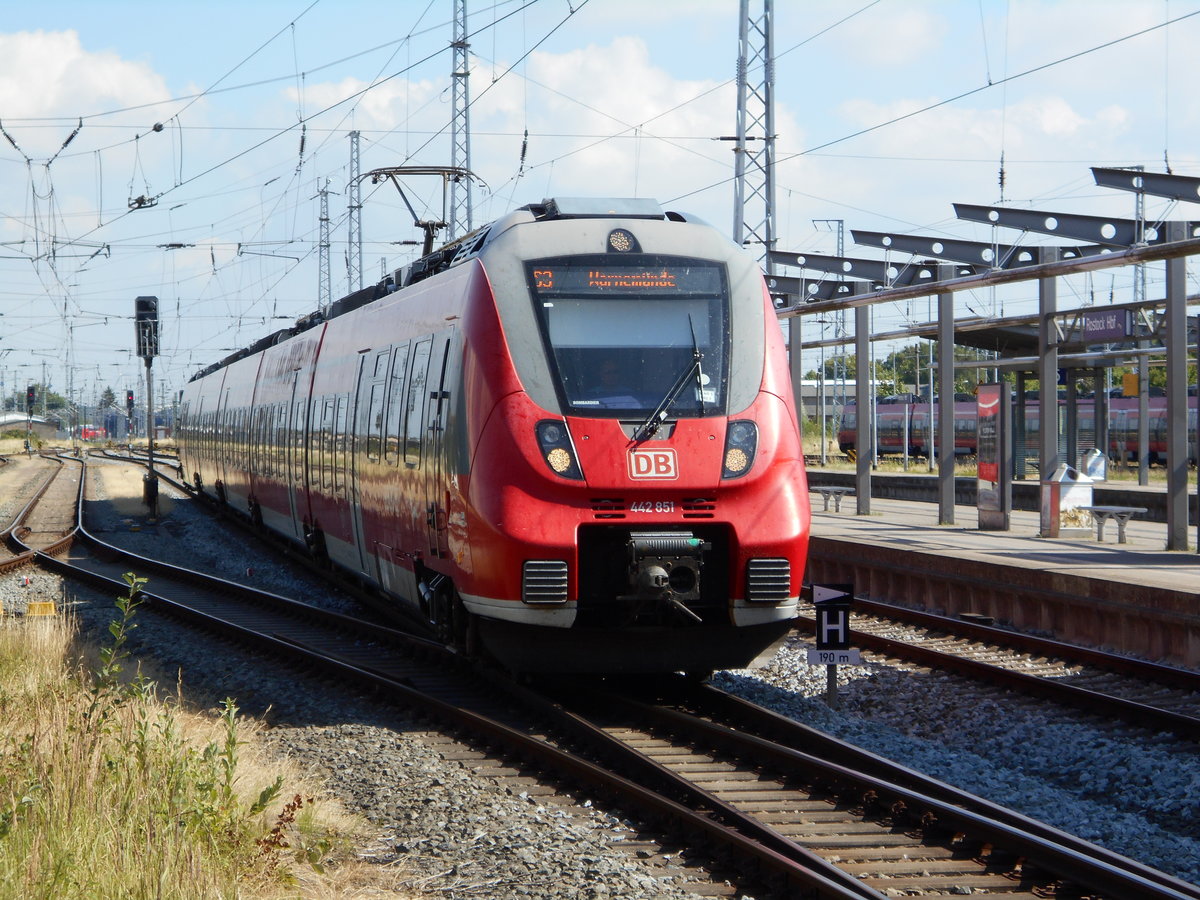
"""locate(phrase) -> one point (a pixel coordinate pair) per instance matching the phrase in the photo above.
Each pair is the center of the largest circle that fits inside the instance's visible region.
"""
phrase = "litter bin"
(1063, 494)
(1095, 465)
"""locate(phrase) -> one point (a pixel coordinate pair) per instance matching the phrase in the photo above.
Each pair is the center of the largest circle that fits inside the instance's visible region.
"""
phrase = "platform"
(1136, 596)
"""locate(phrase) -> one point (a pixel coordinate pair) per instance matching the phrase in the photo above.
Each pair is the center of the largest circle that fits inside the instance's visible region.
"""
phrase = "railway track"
(56, 496)
(746, 792)
(1142, 693)
(890, 828)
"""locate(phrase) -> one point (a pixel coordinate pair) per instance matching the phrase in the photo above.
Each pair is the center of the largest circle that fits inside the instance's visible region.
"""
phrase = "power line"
(932, 106)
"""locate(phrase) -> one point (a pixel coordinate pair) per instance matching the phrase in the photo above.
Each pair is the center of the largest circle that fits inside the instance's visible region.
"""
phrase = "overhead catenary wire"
(531, 150)
(960, 96)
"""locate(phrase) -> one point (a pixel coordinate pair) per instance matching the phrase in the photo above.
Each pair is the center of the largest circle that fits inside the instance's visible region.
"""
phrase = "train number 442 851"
(652, 506)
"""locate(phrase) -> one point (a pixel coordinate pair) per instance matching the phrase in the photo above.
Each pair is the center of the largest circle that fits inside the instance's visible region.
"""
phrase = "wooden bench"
(1122, 514)
(834, 493)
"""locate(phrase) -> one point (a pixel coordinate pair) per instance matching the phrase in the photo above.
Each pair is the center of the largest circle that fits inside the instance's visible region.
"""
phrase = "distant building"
(46, 429)
(837, 393)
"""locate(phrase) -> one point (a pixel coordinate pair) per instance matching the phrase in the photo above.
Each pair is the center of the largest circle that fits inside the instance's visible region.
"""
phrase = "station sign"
(1106, 326)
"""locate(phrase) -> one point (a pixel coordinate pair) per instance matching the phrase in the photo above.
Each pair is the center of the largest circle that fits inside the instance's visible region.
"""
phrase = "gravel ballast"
(462, 834)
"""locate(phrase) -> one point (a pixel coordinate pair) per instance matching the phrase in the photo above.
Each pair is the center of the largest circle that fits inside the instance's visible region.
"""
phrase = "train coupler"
(664, 568)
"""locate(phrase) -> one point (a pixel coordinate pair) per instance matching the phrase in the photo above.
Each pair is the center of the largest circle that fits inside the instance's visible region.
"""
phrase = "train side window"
(253, 421)
(279, 443)
(415, 413)
(380, 367)
(314, 442)
(339, 445)
(375, 404)
(395, 411)
(299, 432)
(326, 439)
(375, 422)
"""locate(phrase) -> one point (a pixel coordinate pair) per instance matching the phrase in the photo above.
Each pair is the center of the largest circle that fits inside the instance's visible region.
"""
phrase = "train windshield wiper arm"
(654, 421)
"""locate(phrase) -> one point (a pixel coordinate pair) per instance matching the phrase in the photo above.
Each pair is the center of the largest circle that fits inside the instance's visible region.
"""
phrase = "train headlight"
(741, 443)
(557, 449)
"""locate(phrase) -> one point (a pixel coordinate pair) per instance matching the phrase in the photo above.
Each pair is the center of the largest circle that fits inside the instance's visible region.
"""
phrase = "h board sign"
(832, 603)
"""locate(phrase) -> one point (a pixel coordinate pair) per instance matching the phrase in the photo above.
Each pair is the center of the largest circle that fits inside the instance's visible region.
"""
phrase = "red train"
(567, 438)
(896, 421)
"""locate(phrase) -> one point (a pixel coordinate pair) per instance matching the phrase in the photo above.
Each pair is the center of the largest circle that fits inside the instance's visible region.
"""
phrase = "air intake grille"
(544, 581)
(608, 507)
(768, 580)
(698, 507)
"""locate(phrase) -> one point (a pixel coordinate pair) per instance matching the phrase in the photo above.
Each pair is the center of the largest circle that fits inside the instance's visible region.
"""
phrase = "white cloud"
(70, 82)
(884, 36)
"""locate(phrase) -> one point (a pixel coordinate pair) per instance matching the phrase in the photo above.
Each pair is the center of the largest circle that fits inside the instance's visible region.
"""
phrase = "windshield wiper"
(654, 421)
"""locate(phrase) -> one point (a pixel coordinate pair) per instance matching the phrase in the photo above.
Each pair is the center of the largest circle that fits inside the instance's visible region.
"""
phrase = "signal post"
(146, 333)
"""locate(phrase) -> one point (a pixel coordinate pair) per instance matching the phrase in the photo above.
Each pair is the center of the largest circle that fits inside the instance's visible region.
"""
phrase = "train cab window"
(622, 337)
(396, 406)
(414, 416)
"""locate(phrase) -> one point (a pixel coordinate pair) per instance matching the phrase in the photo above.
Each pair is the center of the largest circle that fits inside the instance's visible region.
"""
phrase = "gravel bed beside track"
(462, 835)
(458, 833)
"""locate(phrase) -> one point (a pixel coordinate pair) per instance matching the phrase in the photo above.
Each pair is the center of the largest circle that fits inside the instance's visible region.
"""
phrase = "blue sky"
(619, 98)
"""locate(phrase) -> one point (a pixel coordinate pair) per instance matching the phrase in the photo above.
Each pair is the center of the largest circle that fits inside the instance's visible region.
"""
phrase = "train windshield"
(624, 336)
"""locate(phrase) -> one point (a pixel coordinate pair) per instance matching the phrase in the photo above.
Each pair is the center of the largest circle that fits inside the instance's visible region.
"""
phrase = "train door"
(436, 410)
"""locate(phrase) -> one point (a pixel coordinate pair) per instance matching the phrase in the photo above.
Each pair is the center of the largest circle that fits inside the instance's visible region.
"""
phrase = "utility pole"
(754, 152)
(460, 219)
(324, 288)
(354, 269)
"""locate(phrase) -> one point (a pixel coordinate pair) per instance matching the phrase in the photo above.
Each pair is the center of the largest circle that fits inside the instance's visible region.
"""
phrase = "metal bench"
(1122, 514)
(834, 493)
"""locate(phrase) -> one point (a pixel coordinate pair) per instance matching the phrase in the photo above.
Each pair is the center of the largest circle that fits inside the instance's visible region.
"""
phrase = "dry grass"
(108, 790)
(11, 446)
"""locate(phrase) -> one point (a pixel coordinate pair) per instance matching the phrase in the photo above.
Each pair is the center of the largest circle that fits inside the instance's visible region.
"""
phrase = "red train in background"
(898, 420)
(567, 438)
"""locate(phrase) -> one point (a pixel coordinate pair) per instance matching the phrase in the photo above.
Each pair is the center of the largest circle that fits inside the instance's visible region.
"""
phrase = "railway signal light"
(146, 326)
(30, 398)
(129, 401)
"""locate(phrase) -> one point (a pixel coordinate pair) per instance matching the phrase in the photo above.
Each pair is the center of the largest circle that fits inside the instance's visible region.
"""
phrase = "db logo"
(653, 464)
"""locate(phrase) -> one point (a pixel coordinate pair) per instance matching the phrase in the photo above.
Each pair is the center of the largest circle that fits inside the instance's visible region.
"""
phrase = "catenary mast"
(460, 219)
(754, 153)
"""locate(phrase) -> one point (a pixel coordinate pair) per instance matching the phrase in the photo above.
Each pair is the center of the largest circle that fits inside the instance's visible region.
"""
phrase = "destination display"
(580, 280)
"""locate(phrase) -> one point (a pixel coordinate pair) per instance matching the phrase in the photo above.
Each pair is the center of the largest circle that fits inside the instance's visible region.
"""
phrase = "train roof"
(459, 251)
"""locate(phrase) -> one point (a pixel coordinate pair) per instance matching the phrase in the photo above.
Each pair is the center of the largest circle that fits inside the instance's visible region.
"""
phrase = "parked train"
(897, 421)
(567, 439)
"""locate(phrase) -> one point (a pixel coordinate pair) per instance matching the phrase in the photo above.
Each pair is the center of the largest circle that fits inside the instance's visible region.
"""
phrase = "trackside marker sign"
(660, 464)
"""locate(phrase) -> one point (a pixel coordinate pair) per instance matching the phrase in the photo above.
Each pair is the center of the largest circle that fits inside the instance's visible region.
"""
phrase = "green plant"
(107, 690)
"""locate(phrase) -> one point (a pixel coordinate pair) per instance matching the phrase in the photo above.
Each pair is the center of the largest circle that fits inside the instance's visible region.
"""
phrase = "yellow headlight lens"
(736, 460)
(559, 459)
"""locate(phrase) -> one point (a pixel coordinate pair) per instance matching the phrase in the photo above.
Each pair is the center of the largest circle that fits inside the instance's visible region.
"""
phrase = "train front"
(644, 493)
